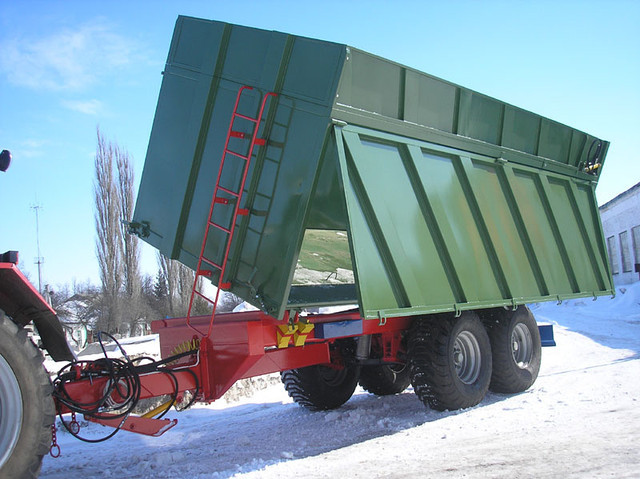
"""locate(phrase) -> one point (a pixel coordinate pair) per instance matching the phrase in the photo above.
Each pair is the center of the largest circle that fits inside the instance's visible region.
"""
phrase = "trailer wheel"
(385, 379)
(26, 405)
(516, 349)
(450, 361)
(319, 388)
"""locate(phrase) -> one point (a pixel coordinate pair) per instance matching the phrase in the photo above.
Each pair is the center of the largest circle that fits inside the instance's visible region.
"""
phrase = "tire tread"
(26, 462)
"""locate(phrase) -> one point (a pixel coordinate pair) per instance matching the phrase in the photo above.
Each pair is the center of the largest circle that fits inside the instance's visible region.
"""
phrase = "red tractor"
(26, 406)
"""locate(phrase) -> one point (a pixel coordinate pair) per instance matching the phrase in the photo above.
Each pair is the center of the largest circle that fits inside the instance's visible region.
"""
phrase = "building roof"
(622, 196)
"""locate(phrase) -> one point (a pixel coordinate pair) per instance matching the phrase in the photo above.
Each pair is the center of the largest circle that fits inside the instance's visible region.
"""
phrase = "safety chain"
(74, 426)
(54, 450)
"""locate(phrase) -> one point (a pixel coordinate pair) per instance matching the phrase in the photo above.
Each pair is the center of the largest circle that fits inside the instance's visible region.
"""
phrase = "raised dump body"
(451, 200)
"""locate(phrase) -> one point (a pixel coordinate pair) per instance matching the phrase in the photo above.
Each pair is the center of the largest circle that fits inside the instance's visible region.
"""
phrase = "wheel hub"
(521, 345)
(10, 411)
(466, 357)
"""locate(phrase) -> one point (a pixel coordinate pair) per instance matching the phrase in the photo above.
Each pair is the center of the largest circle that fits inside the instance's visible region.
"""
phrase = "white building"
(621, 225)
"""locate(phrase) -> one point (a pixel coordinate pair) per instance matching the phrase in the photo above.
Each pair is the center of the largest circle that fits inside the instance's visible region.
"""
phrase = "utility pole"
(39, 260)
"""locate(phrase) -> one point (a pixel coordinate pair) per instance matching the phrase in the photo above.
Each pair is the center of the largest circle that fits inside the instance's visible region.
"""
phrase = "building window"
(624, 251)
(613, 254)
(635, 234)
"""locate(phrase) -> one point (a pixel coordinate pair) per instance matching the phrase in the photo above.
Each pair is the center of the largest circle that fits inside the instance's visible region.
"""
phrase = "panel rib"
(410, 154)
(463, 169)
(542, 182)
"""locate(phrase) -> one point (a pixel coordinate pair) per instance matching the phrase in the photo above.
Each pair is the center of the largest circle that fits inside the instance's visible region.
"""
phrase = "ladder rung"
(203, 296)
(244, 157)
(254, 120)
(209, 262)
(228, 191)
(220, 227)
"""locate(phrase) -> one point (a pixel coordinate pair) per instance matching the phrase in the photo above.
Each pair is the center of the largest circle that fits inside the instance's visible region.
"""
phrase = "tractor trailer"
(453, 210)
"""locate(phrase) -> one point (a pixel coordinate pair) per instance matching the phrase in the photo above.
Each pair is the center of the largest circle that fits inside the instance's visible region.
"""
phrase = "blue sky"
(67, 67)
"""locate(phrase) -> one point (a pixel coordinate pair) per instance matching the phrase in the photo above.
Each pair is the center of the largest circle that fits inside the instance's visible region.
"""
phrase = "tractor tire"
(26, 406)
(320, 388)
(450, 361)
(516, 349)
(385, 379)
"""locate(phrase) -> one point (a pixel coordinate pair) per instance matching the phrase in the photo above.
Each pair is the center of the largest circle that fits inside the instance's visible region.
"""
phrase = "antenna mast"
(39, 259)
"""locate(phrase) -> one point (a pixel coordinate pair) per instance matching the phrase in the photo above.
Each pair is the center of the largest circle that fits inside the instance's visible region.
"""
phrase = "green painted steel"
(451, 200)
(443, 229)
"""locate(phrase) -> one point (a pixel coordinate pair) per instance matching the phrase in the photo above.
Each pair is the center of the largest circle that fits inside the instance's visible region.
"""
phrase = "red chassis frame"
(241, 345)
(251, 343)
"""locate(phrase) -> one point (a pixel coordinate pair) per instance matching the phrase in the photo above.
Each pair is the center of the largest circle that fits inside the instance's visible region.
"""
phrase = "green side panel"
(438, 229)
(327, 210)
(207, 65)
(380, 94)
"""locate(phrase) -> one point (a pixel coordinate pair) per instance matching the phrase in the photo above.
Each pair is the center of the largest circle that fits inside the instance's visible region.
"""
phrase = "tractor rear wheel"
(385, 379)
(450, 361)
(320, 388)
(516, 349)
(26, 405)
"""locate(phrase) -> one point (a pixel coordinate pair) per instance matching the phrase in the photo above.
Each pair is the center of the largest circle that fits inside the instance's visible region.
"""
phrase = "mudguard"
(24, 304)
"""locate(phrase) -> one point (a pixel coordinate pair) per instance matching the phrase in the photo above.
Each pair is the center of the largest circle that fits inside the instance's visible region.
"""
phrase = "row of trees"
(126, 300)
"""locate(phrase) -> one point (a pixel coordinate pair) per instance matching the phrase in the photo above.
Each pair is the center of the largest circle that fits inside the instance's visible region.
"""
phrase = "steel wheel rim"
(521, 345)
(10, 411)
(467, 357)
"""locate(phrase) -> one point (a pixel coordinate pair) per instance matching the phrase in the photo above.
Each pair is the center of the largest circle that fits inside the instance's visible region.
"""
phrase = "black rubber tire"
(517, 352)
(23, 364)
(385, 379)
(320, 388)
(433, 349)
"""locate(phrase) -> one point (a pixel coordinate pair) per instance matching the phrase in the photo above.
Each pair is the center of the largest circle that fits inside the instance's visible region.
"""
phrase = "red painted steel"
(137, 424)
(18, 296)
(237, 211)
(243, 345)
(153, 384)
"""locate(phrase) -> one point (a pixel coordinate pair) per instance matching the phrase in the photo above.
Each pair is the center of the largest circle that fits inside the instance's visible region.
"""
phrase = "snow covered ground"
(580, 419)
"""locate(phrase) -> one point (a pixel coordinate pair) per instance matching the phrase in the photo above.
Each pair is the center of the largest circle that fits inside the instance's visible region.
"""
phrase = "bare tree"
(185, 280)
(169, 275)
(130, 248)
(118, 252)
(108, 234)
(178, 280)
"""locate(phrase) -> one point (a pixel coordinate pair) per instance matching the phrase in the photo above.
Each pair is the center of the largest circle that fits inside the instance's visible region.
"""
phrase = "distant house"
(78, 318)
(621, 225)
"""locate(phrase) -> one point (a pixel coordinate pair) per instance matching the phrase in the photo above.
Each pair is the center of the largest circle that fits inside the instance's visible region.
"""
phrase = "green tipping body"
(449, 199)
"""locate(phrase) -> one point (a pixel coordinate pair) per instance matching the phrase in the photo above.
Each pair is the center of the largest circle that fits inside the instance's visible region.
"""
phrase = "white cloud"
(30, 148)
(88, 107)
(70, 59)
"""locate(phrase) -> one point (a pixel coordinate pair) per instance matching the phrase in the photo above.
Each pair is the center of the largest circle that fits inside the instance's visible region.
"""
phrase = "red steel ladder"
(205, 265)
